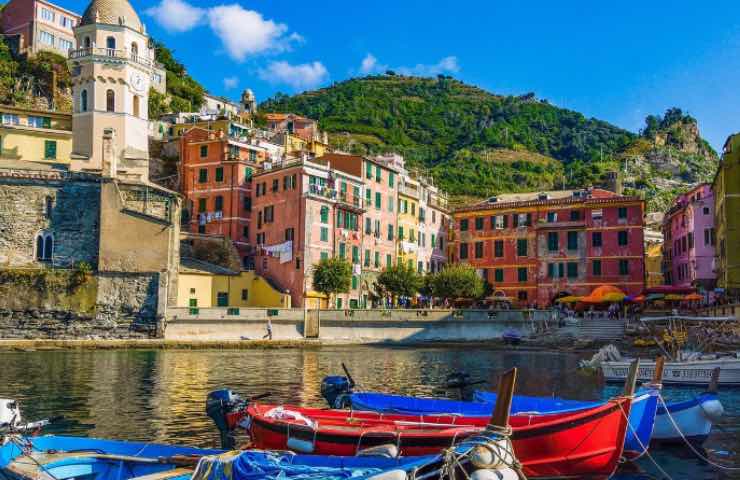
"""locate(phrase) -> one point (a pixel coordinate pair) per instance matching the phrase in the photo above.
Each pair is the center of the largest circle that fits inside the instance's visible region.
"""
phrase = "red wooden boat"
(584, 444)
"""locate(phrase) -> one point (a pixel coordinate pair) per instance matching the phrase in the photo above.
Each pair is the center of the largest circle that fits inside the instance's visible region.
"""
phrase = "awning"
(569, 299)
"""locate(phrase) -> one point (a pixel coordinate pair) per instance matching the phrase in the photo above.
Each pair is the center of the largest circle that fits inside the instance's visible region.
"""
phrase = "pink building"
(302, 212)
(688, 249)
(38, 25)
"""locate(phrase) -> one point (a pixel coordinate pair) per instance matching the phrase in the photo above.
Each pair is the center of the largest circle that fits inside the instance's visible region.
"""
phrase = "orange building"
(216, 175)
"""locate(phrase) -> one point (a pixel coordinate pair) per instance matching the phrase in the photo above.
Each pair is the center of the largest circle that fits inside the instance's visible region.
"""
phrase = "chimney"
(110, 160)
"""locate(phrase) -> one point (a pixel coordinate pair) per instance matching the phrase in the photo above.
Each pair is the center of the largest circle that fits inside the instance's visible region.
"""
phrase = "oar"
(714, 382)
(659, 367)
(631, 382)
(352, 383)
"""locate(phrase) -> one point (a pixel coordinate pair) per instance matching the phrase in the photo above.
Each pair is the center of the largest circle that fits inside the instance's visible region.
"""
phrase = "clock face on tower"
(137, 82)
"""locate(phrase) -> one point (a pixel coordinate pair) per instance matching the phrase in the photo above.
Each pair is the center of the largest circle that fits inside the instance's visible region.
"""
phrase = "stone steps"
(597, 329)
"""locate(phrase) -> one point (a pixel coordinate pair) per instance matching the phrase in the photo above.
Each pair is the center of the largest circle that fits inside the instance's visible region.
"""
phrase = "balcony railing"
(356, 202)
(406, 190)
(324, 192)
(111, 53)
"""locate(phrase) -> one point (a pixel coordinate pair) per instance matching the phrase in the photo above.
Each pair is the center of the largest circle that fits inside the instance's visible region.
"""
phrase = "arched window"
(136, 106)
(83, 101)
(110, 44)
(86, 42)
(44, 246)
(110, 101)
(134, 51)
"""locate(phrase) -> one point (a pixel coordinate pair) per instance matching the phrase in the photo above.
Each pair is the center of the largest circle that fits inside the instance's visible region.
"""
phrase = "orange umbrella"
(693, 297)
(604, 294)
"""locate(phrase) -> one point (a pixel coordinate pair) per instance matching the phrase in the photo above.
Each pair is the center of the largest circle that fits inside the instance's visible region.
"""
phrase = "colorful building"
(35, 135)
(37, 25)
(535, 247)
(305, 211)
(654, 264)
(408, 223)
(216, 174)
(689, 240)
(726, 188)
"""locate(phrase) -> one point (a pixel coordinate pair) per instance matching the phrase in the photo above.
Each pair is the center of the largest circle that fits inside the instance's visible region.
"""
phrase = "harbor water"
(159, 395)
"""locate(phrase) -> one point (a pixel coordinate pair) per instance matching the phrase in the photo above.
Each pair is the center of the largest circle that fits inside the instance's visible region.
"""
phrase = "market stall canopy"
(605, 294)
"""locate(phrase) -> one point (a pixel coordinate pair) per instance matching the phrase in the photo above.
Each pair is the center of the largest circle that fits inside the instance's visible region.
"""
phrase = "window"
(622, 212)
(87, 43)
(706, 211)
(222, 299)
(203, 175)
(498, 248)
(44, 247)
(219, 203)
(220, 174)
(552, 217)
(245, 294)
(378, 201)
(48, 206)
(269, 214)
(355, 255)
(391, 179)
(434, 241)
(378, 174)
(522, 274)
(479, 223)
(499, 222)
(522, 296)
(624, 267)
(324, 214)
(289, 234)
(247, 203)
(498, 275)
(83, 101)
(324, 234)
(110, 101)
(369, 170)
(248, 174)
(324, 256)
(46, 38)
(10, 119)
(550, 270)
(388, 261)
(575, 215)
(420, 267)
(691, 240)
(464, 225)
(110, 44)
(368, 226)
(368, 196)
(50, 149)
(390, 232)
(463, 251)
(596, 239)
(342, 251)
(47, 14)
(572, 240)
(552, 241)
(390, 203)
(39, 122)
(597, 214)
(572, 270)
(478, 249)
(66, 22)
(275, 185)
(354, 287)
(707, 236)
(245, 232)
(622, 238)
(596, 268)
(137, 113)
(202, 202)
(521, 247)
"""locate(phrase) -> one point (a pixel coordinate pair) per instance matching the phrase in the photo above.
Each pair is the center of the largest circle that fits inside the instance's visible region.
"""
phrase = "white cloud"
(245, 32)
(303, 76)
(231, 83)
(176, 15)
(370, 65)
(446, 65)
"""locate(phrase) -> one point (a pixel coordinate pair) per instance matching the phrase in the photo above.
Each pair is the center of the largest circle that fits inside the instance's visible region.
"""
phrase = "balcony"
(323, 192)
(354, 203)
(112, 54)
(408, 191)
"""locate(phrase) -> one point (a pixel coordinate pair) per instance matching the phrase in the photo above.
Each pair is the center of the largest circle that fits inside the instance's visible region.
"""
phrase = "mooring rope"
(645, 450)
(693, 449)
(496, 440)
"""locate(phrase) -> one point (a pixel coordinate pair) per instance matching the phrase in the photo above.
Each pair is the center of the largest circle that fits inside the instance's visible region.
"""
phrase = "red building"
(535, 247)
(216, 173)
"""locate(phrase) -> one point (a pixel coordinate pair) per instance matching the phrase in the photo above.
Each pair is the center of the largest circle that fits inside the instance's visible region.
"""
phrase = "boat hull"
(683, 373)
(584, 444)
(694, 419)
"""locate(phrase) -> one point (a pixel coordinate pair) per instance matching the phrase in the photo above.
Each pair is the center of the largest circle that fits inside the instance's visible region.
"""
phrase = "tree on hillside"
(457, 282)
(186, 94)
(400, 281)
(332, 276)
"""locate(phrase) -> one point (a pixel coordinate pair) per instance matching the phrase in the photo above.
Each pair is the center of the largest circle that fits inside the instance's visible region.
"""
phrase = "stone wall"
(69, 209)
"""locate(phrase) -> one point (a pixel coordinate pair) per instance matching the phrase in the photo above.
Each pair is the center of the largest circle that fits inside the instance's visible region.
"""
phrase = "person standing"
(268, 335)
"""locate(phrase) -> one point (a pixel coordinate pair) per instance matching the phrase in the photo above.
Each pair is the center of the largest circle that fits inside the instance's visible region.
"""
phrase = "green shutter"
(391, 179)
(342, 251)
(50, 149)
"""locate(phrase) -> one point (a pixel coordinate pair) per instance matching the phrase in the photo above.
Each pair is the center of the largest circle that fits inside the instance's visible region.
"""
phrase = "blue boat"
(641, 418)
(689, 420)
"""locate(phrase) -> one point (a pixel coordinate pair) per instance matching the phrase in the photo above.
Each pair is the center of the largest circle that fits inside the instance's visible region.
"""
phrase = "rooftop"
(511, 200)
(112, 12)
(192, 265)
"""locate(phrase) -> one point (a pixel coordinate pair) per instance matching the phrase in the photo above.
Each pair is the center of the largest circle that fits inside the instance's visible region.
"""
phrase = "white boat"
(689, 372)
(690, 420)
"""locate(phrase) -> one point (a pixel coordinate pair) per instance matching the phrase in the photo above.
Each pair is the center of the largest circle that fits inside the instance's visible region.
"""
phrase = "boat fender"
(713, 410)
(384, 451)
(300, 446)
(390, 475)
(502, 474)
(492, 455)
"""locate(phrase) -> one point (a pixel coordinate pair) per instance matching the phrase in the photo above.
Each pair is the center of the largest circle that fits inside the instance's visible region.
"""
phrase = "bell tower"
(111, 70)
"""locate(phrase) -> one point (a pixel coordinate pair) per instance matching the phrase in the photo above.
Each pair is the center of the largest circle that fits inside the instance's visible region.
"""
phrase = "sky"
(616, 61)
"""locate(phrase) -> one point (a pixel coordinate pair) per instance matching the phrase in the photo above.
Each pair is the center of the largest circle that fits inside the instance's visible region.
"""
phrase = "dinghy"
(583, 443)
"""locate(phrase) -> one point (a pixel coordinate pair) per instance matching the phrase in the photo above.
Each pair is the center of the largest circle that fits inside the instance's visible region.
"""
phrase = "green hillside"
(475, 142)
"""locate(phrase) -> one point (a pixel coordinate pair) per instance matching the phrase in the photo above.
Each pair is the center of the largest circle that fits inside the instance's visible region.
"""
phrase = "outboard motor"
(461, 382)
(218, 405)
(336, 391)
(10, 415)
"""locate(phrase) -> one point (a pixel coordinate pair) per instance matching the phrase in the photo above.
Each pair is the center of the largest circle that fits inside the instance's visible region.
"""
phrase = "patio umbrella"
(568, 299)
(604, 294)
(693, 297)
(613, 297)
(654, 296)
(672, 297)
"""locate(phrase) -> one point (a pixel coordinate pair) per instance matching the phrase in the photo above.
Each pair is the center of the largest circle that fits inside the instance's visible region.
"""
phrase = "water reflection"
(160, 395)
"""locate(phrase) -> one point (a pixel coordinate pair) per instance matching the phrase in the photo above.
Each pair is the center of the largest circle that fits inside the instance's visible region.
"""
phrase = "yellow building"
(726, 188)
(204, 285)
(408, 222)
(35, 135)
(653, 265)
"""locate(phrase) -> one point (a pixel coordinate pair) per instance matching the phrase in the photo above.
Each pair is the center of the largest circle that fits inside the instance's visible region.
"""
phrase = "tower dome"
(113, 12)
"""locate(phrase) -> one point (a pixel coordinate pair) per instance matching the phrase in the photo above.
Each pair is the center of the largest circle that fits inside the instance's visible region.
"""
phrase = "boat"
(585, 443)
(690, 372)
(25, 457)
(690, 420)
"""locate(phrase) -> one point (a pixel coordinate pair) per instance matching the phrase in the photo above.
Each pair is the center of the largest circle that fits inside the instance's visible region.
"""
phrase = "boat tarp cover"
(263, 465)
